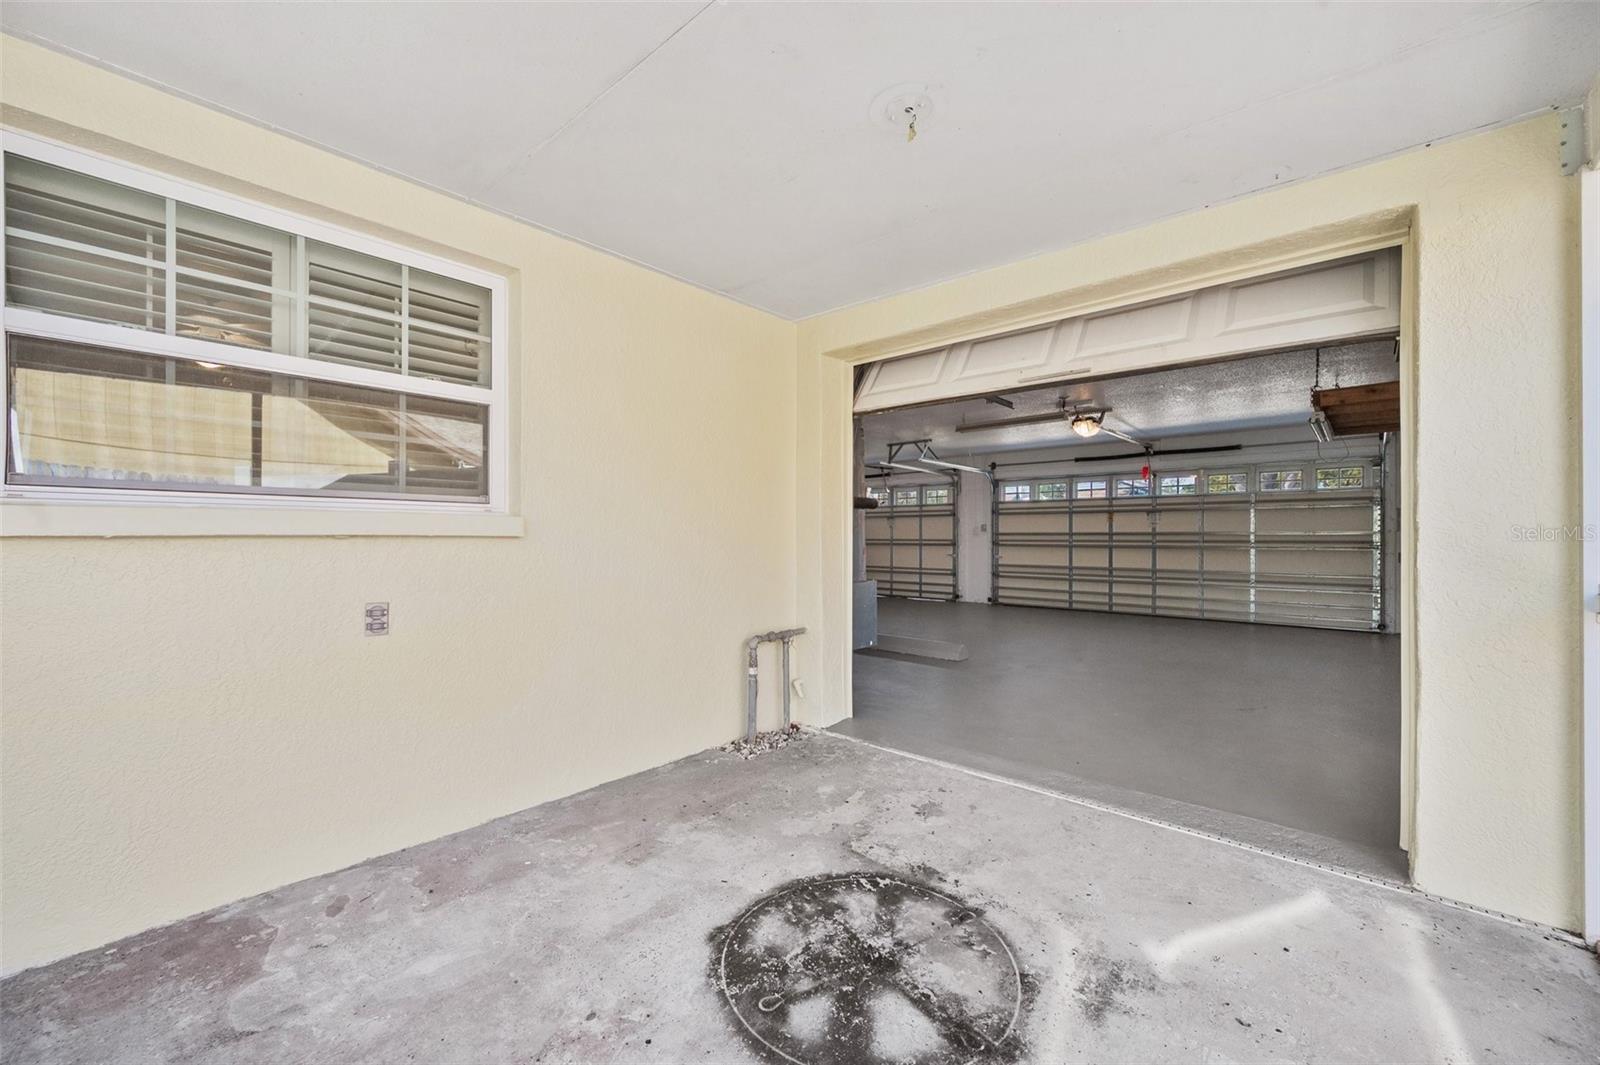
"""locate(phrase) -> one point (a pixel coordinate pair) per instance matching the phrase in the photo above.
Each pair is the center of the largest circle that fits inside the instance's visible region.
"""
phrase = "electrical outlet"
(377, 619)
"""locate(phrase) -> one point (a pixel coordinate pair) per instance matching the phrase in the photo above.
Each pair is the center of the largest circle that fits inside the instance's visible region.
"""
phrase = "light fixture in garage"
(1085, 421)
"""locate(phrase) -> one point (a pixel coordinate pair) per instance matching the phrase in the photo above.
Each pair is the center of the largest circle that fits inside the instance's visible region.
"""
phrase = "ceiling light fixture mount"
(903, 107)
(1086, 425)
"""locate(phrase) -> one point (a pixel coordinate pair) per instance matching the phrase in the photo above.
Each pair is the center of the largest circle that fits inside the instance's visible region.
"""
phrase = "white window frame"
(23, 321)
(945, 502)
(914, 501)
(1064, 483)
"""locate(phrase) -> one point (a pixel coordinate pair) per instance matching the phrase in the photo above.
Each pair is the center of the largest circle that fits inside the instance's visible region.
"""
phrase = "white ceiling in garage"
(734, 145)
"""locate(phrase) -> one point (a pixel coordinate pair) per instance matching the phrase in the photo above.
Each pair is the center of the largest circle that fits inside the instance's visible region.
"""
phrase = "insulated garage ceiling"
(1239, 395)
(734, 144)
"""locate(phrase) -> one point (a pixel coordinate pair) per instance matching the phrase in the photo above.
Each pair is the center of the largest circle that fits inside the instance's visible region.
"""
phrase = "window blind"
(87, 248)
(84, 248)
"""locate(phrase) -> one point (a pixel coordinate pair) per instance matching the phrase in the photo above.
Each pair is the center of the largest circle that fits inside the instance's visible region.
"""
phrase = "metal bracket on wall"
(1574, 142)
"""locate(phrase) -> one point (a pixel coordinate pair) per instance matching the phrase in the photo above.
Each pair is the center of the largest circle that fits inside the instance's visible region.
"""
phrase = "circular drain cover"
(860, 968)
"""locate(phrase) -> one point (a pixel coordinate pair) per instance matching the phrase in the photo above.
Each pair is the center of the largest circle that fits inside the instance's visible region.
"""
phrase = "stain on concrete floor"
(868, 968)
(578, 931)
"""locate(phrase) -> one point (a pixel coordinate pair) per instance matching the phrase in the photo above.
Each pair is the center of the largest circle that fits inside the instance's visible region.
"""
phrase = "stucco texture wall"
(1494, 230)
(188, 721)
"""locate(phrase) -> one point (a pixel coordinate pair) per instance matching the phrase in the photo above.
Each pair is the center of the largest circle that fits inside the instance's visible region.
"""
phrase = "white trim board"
(1589, 603)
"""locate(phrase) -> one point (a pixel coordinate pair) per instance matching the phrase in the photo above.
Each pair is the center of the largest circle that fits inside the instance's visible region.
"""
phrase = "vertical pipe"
(750, 680)
(786, 642)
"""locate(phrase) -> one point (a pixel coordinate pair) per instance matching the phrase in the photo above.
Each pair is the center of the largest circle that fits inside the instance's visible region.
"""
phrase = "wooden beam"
(1360, 409)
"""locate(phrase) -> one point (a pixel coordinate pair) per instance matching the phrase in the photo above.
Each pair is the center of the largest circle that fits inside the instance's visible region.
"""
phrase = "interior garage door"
(1309, 307)
(1280, 544)
(911, 543)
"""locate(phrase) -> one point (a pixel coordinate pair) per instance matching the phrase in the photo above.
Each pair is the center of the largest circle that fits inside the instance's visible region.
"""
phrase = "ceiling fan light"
(1085, 425)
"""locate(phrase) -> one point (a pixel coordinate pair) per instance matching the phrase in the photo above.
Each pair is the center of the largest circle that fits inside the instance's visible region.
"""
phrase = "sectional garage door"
(1283, 544)
(911, 545)
(1304, 308)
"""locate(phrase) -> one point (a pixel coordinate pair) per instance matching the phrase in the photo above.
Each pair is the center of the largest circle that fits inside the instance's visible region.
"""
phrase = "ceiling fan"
(1086, 420)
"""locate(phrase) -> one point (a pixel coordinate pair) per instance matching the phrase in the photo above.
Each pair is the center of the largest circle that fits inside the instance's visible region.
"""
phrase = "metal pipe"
(751, 675)
(787, 640)
(752, 671)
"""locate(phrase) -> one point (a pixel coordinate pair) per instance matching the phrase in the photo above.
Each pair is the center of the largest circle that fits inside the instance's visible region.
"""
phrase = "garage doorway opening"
(1175, 592)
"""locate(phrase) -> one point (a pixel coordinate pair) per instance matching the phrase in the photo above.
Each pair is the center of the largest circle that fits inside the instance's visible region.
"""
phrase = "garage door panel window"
(1282, 480)
(1337, 477)
(1132, 487)
(1089, 488)
(936, 497)
(1052, 491)
(368, 368)
(1019, 493)
(1227, 483)
(906, 497)
(1178, 484)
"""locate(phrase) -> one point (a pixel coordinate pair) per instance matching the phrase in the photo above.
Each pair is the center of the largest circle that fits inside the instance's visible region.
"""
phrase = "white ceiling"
(734, 144)
(1236, 396)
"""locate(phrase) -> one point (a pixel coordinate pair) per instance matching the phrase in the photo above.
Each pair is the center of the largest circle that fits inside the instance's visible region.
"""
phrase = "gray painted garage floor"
(833, 901)
(1282, 737)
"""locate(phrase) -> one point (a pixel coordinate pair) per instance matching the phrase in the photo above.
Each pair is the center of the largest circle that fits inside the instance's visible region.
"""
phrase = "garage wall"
(1494, 228)
(188, 721)
(975, 567)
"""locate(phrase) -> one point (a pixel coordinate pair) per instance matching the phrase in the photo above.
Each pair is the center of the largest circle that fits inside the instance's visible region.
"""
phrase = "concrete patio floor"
(599, 928)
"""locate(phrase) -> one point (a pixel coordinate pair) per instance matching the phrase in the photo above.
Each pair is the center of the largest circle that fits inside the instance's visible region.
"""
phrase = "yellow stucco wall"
(184, 721)
(188, 721)
(1494, 228)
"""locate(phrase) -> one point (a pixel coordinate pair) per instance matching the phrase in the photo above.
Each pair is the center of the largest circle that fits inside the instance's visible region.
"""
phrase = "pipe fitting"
(753, 670)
